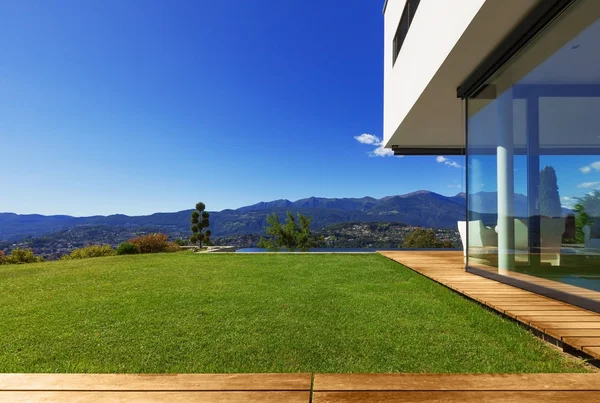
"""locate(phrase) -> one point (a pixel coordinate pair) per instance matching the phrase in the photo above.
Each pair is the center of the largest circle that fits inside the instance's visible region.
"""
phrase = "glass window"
(533, 156)
(407, 16)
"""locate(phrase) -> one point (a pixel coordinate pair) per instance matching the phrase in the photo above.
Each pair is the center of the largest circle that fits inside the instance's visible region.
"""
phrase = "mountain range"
(422, 208)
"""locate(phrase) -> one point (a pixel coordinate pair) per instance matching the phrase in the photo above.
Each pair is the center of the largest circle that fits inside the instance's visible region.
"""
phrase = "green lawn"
(187, 313)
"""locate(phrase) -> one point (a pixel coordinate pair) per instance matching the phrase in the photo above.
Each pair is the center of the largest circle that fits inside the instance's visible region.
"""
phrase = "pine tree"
(549, 197)
(200, 224)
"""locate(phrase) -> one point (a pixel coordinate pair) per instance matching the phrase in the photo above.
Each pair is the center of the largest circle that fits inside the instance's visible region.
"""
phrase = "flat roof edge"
(428, 150)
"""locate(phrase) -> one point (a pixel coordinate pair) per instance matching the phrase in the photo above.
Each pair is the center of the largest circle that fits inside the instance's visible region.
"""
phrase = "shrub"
(20, 256)
(153, 243)
(2, 258)
(292, 234)
(92, 251)
(422, 238)
(446, 243)
(126, 248)
(180, 242)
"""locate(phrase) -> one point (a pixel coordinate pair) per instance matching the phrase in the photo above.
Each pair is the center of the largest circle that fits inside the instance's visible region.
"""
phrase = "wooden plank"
(564, 318)
(537, 305)
(519, 300)
(568, 325)
(173, 396)
(567, 312)
(580, 342)
(514, 299)
(508, 310)
(562, 333)
(593, 351)
(182, 382)
(455, 397)
(507, 294)
(456, 382)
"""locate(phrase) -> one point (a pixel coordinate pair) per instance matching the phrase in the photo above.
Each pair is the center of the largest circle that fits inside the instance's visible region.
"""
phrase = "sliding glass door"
(533, 156)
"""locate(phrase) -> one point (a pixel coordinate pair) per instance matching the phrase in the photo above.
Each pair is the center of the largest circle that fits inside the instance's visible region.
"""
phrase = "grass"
(189, 313)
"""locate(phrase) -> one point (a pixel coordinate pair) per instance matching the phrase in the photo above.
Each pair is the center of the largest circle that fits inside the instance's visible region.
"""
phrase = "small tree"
(422, 238)
(587, 211)
(291, 234)
(200, 224)
(549, 197)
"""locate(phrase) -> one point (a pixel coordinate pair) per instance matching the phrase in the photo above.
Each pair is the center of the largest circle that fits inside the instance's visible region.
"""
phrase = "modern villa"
(514, 86)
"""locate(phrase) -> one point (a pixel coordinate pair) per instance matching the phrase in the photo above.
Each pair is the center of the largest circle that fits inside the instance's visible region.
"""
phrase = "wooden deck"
(397, 388)
(202, 388)
(296, 388)
(572, 327)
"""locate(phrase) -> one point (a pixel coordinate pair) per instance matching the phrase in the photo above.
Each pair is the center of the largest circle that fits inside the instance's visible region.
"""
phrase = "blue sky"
(137, 106)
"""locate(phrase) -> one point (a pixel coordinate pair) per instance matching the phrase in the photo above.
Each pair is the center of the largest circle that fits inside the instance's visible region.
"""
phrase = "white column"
(506, 191)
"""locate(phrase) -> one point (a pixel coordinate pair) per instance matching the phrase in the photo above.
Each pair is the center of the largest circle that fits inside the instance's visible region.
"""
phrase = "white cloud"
(567, 201)
(366, 138)
(372, 140)
(589, 185)
(588, 168)
(459, 186)
(446, 161)
(382, 152)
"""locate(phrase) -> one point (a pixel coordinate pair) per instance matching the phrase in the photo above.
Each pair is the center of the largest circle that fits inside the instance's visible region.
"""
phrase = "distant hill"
(422, 208)
(487, 203)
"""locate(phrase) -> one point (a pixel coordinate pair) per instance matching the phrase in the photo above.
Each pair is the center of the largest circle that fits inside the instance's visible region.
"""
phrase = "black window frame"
(410, 9)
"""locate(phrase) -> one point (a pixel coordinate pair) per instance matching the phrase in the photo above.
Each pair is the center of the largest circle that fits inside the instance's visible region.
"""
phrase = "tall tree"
(549, 197)
(294, 234)
(200, 224)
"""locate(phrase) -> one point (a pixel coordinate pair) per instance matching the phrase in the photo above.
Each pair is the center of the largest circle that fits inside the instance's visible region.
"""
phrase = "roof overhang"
(436, 121)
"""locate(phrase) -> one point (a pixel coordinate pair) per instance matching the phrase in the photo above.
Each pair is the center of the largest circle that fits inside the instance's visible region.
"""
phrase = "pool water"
(325, 250)
(312, 250)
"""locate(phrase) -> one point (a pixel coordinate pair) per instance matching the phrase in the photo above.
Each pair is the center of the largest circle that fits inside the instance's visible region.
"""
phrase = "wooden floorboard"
(347, 388)
(180, 382)
(581, 342)
(456, 382)
(339, 388)
(594, 351)
(554, 318)
(218, 388)
(171, 396)
(455, 397)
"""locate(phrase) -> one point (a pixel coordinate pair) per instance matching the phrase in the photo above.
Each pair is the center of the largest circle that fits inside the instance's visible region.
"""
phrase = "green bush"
(92, 251)
(2, 257)
(422, 238)
(20, 256)
(126, 248)
(180, 242)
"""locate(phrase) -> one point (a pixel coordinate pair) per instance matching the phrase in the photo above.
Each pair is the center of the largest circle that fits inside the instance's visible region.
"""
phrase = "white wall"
(435, 29)
(446, 42)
